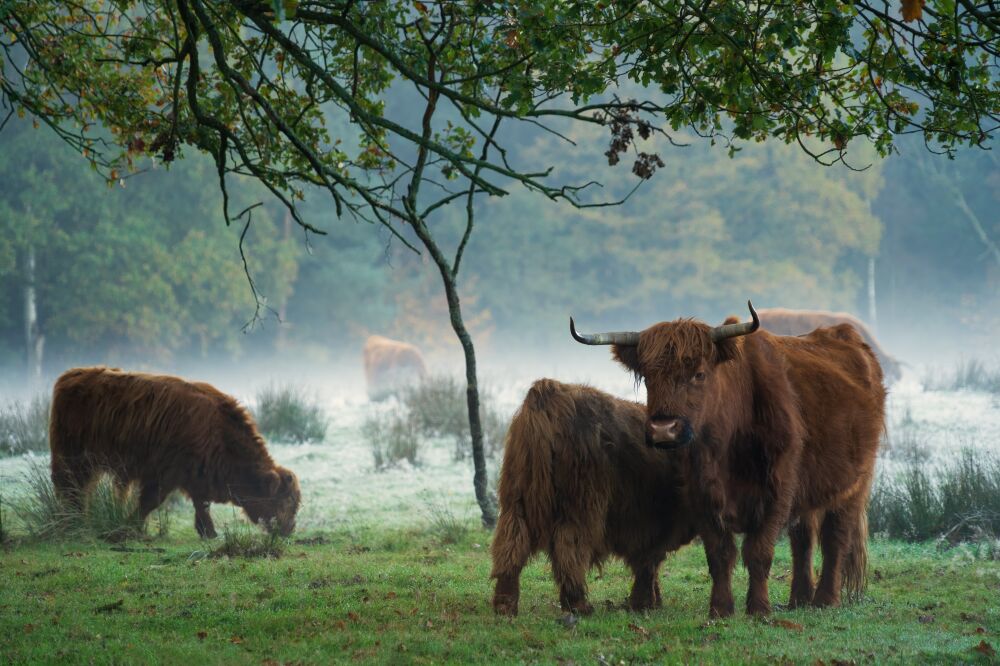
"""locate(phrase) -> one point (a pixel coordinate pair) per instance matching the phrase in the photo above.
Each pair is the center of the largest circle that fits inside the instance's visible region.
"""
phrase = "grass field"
(403, 597)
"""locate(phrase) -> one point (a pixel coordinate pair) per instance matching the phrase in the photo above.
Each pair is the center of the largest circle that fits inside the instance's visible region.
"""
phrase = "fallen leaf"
(639, 629)
(985, 648)
(352, 616)
(925, 619)
(877, 575)
(236, 640)
(429, 624)
(340, 624)
(28, 628)
(390, 595)
(912, 10)
(113, 606)
(202, 635)
(788, 624)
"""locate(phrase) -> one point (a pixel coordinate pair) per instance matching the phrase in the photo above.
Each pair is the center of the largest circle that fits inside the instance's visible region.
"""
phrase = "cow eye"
(699, 376)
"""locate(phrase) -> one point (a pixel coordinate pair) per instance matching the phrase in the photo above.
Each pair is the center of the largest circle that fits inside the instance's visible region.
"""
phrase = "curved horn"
(733, 330)
(624, 338)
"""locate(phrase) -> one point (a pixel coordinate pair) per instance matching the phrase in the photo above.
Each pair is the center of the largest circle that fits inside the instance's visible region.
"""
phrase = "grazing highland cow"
(391, 365)
(165, 433)
(770, 431)
(799, 322)
(579, 483)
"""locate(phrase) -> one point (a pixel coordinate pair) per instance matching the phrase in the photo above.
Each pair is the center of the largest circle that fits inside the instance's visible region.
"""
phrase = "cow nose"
(665, 429)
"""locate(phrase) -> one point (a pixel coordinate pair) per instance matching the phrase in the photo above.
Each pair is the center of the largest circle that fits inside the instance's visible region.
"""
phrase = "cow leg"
(802, 536)
(835, 540)
(511, 550)
(720, 551)
(203, 519)
(758, 553)
(570, 562)
(150, 497)
(646, 587)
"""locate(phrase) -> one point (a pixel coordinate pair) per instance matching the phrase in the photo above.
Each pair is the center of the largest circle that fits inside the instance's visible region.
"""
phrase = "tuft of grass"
(242, 540)
(445, 524)
(4, 530)
(39, 510)
(112, 513)
(393, 438)
(968, 374)
(957, 501)
(288, 414)
(438, 407)
(24, 426)
(109, 513)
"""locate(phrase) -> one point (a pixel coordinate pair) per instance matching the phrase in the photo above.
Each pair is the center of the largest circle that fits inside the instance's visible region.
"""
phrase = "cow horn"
(624, 338)
(734, 330)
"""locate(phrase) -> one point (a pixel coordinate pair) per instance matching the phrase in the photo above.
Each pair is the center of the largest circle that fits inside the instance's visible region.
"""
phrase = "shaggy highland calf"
(770, 432)
(799, 322)
(164, 433)
(578, 482)
(391, 365)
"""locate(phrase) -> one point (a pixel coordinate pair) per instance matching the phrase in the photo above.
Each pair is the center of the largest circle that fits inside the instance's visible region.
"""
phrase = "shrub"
(971, 374)
(24, 426)
(288, 414)
(240, 539)
(439, 408)
(957, 501)
(112, 514)
(393, 437)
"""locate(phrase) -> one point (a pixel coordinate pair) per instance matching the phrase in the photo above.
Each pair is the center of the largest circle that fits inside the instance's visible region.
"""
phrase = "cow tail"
(526, 489)
(856, 562)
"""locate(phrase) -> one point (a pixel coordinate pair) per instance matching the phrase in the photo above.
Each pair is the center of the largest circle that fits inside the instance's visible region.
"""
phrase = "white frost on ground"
(342, 490)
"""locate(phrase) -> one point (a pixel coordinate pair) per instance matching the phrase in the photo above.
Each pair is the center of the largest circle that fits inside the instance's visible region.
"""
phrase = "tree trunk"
(487, 505)
(872, 311)
(34, 341)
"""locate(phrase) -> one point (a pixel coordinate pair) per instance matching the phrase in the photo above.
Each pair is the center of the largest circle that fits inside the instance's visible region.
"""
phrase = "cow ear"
(287, 477)
(272, 483)
(627, 355)
(728, 349)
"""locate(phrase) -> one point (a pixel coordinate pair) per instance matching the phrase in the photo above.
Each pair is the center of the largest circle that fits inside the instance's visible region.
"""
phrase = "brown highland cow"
(164, 434)
(799, 322)
(391, 365)
(578, 482)
(770, 431)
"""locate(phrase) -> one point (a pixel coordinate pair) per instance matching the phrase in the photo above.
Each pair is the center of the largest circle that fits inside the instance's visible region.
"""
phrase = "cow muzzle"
(668, 432)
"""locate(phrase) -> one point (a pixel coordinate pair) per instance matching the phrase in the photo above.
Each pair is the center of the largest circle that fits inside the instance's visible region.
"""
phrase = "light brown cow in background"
(391, 365)
(799, 322)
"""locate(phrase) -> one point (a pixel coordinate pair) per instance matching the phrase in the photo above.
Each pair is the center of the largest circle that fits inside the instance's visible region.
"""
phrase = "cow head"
(678, 361)
(275, 500)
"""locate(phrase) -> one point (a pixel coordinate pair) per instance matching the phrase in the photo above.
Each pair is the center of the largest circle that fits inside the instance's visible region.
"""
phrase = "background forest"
(144, 271)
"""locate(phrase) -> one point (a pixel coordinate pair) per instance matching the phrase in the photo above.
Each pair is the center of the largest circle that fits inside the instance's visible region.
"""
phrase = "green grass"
(404, 597)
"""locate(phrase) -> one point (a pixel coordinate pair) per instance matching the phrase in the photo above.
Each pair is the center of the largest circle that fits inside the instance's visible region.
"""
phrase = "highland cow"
(799, 322)
(770, 432)
(165, 434)
(391, 365)
(578, 482)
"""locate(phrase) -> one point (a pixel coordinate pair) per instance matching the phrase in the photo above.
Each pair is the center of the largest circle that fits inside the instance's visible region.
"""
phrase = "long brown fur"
(390, 365)
(785, 433)
(578, 482)
(164, 433)
(799, 322)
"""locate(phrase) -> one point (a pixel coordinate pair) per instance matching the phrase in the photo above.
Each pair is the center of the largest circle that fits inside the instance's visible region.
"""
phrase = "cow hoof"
(718, 612)
(505, 607)
(580, 608)
(639, 605)
(210, 534)
(759, 609)
(825, 601)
